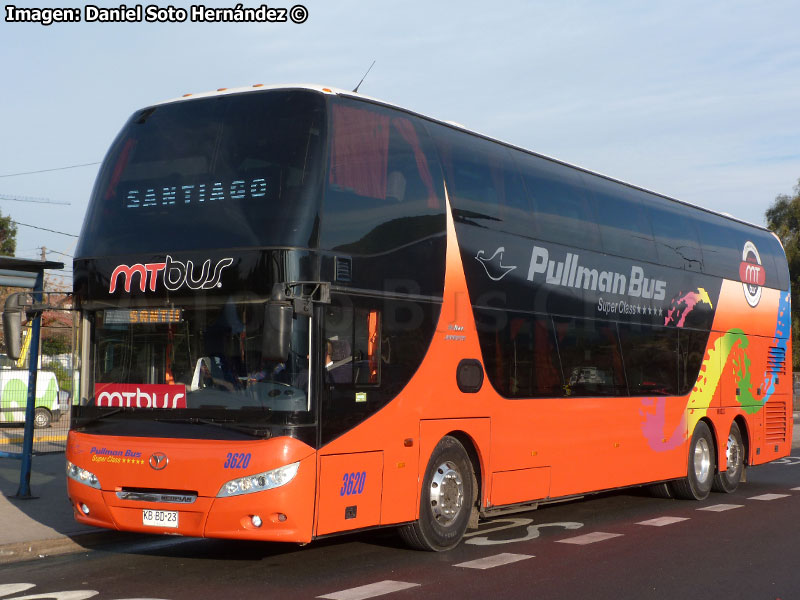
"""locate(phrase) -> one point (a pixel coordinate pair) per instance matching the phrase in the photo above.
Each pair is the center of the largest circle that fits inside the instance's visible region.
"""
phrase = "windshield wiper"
(252, 430)
(97, 418)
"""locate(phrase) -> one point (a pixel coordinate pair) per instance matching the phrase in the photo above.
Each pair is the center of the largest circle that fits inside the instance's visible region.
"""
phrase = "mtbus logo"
(133, 395)
(174, 275)
(751, 274)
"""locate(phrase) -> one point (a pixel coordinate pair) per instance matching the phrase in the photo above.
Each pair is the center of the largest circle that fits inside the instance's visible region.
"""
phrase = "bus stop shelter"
(27, 274)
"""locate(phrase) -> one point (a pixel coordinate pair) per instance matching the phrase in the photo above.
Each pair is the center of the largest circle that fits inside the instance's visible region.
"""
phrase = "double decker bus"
(306, 312)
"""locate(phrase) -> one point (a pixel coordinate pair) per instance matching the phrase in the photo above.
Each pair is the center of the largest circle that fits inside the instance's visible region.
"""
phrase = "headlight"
(82, 475)
(260, 481)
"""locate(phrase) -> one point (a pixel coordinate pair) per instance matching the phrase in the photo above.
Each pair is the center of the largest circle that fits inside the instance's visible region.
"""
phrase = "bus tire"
(700, 476)
(446, 499)
(728, 480)
(41, 418)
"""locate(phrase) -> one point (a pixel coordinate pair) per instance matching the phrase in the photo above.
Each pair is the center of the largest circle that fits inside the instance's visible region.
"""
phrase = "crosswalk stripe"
(767, 497)
(721, 507)
(493, 561)
(370, 591)
(662, 521)
(589, 538)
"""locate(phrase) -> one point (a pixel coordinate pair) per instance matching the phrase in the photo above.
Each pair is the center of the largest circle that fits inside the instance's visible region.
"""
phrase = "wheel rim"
(40, 419)
(733, 454)
(702, 460)
(447, 493)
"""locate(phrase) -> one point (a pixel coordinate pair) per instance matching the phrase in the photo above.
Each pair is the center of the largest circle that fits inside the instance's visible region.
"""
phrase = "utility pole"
(44, 253)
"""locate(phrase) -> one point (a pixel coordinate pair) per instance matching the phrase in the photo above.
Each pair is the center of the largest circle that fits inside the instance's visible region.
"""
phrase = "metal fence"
(53, 394)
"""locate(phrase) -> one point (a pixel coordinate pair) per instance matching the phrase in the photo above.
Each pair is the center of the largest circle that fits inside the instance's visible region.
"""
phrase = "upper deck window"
(228, 171)
(384, 183)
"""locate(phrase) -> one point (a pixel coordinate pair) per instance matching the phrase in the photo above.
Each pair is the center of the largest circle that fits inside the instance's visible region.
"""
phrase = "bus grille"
(775, 417)
(776, 360)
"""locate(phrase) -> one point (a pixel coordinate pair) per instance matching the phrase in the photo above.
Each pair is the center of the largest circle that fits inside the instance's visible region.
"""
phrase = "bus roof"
(341, 92)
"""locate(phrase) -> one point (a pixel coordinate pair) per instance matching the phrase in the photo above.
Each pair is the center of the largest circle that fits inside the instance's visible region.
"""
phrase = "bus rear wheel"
(702, 460)
(446, 499)
(728, 480)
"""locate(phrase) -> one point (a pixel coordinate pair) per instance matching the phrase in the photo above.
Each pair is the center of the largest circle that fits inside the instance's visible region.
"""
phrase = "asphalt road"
(613, 546)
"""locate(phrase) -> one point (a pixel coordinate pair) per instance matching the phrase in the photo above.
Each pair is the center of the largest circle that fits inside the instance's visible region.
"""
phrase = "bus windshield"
(229, 171)
(184, 361)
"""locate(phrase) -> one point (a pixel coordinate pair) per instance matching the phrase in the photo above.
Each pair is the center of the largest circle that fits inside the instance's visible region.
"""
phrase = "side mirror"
(12, 325)
(277, 331)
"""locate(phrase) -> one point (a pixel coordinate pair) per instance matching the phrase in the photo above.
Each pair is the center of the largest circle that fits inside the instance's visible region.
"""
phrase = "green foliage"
(783, 217)
(63, 375)
(8, 236)
(56, 344)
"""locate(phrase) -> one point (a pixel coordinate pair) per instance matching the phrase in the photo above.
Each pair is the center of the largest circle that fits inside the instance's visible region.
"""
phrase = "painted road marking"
(767, 497)
(370, 591)
(6, 589)
(721, 507)
(662, 521)
(797, 489)
(494, 561)
(589, 538)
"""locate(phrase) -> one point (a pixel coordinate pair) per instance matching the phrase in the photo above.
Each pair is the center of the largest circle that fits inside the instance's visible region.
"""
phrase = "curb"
(24, 551)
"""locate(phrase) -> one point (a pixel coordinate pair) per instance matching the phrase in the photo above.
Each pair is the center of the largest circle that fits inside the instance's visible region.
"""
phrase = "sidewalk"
(44, 525)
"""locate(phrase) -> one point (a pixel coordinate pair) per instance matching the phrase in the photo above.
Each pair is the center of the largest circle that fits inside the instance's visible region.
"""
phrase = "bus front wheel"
(702, 462)
(728, 480)
(446, 499)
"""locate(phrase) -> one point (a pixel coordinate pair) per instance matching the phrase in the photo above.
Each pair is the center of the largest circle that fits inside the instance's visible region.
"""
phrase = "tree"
(8, 236)
(783, 217)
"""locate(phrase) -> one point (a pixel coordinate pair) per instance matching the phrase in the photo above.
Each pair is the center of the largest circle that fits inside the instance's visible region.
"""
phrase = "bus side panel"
(350, 487)
(753, 347)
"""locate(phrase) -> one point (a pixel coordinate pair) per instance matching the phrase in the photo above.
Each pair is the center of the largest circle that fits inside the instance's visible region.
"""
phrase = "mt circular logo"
(751, 274)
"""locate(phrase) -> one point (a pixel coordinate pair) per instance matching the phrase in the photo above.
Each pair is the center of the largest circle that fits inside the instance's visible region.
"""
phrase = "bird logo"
(494, 264)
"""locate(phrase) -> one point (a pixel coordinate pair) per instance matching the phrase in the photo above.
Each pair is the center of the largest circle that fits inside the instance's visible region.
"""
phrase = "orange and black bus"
(304, 312)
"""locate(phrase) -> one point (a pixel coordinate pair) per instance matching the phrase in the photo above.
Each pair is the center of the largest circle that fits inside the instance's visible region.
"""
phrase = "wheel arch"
(744, 430)
(476, 458)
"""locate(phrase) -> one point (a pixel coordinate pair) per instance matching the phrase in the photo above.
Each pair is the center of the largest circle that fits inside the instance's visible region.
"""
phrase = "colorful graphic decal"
(779, 341)
(683, 304)
(731, 346)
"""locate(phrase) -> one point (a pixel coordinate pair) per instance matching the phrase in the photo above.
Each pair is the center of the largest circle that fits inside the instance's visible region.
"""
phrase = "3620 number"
(353, 483)
(236, 460)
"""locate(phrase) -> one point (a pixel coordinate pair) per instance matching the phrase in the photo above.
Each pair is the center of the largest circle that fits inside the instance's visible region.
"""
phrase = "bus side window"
(352, 347)
(563, 209)
(483, 182)
(691, 350)
(651, 359)
(676, 238)
(382, 174)
(590, 357)
(624, 226)
(519, 353)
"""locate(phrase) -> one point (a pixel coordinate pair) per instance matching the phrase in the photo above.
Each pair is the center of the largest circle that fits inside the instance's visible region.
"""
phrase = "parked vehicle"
(14, 397)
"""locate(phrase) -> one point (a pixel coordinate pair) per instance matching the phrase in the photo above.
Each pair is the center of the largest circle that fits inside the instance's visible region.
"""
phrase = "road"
(612, 546)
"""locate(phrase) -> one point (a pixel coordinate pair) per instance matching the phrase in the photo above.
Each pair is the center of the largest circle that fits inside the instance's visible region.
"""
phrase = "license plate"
(160, 518)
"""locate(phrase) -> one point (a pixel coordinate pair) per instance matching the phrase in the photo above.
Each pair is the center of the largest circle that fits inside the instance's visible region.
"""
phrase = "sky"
(696, 100)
